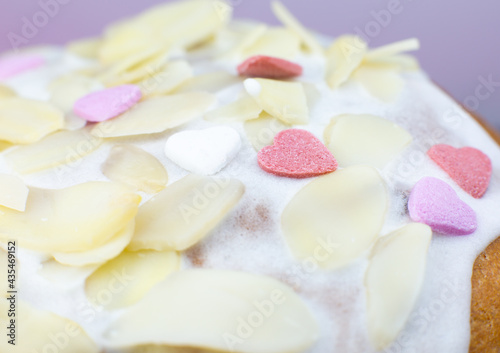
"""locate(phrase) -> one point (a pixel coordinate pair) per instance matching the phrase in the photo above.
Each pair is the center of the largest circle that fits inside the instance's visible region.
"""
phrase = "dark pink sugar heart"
(468, 167)
(296, 154)
(16, 65)
(436, 204)
(108, 103)
(269, 67)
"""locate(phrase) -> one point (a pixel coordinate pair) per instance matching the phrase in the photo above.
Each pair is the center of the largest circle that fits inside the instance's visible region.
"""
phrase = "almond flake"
(181, 312)
(143, 269)
(260, 132)
(185, 212)
(59, 148)
(343, 58)
(116, 244)
(135, 167)
(285, 16)
(281, 99)
(342, 213)
(394, 280)
(42, 328)
(75, 219)
(26, 121)
(13, 192)
(156, 115)
(277, 42)
(86, 48)
(243, 109)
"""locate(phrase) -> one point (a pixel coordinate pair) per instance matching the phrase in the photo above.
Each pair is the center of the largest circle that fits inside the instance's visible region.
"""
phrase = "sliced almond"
(87, 47)
(393, 49)
(243, 109)
(169, 78)
(5, 145)
(167, 349)
(156, 115)
(26, 121)
(394, 280)
(99, 255)
(399, 62)
(13, 192)
(210, 82)
(260, 132)
(6, 92)
(129, 277)
(281, 99)
(135, 167)
(125, 40)
(185, 212)
(343, 58)
(136, 67)
(60, 148)
(66, 90)
(183, 24)
(276, 42)
(385, 85)
(285, 16)
(254, 314)
(74, 219)
(65, 276)
(365, 139)
(337, 217)
(43, 329)
(246, 40)
(205, 21)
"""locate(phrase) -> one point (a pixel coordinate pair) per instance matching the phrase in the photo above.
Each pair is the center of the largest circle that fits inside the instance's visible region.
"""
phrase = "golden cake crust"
(485, 303)
(485, 298)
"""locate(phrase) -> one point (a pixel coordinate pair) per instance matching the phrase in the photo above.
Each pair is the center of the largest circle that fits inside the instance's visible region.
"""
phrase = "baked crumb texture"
(485, 303)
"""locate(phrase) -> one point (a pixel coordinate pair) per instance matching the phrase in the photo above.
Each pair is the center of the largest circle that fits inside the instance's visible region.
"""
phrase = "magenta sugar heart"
(108, 103)
(296, 154)
(436, 204)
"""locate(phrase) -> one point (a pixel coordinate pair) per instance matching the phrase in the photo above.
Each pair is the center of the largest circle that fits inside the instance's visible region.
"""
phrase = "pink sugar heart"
(436, 204)
(269, 67)
(296, 154)
(469, 167)
(108, 103)
(15, 65)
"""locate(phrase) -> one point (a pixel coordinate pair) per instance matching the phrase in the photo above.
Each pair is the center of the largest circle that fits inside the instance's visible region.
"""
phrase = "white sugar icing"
(250, 239)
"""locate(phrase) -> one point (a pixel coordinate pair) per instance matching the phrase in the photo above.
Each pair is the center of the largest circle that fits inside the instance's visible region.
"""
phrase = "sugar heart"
(203, 152)
(108, 103)
(436, 204)
(18, 64)
(468, 166)
(269, 67)
(296, 154)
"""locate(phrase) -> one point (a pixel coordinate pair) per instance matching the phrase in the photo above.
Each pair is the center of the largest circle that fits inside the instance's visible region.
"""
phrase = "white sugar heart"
(203, 152)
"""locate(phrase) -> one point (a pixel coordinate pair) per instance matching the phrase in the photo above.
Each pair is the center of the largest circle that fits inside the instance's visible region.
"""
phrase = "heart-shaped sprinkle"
(203, 152)
(269, 67)
(468, 166)
(436, 204)
(106, 104)
(296, 154)
(18, 64)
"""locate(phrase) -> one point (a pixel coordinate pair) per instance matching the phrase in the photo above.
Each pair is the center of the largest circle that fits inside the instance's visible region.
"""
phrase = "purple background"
(460, 38)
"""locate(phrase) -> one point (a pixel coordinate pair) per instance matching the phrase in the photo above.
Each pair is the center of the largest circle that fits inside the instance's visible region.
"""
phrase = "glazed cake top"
(254, 236)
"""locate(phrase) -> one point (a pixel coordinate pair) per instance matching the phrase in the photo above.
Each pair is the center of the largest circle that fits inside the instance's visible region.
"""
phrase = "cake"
(191, 183)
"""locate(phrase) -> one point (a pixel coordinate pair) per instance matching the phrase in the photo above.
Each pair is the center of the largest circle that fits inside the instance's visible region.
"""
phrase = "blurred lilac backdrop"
(460, 38)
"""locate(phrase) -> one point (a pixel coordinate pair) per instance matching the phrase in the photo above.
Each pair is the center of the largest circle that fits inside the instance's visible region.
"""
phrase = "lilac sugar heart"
(16, 65)
(436, 204)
